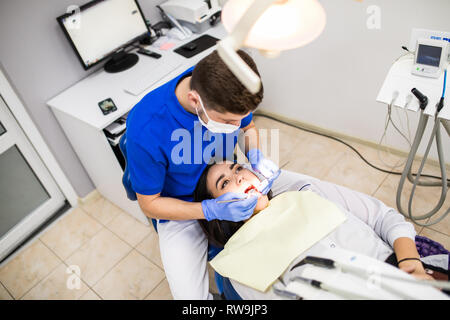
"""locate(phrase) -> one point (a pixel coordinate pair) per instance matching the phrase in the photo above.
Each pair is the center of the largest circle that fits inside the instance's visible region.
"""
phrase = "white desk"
(82, 121)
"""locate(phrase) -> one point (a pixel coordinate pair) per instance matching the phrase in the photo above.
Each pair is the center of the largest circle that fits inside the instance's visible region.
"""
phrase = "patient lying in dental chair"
(370, 228)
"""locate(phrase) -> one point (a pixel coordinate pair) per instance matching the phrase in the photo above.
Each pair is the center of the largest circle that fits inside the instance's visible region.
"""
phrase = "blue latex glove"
(265, 167)
(231, 211)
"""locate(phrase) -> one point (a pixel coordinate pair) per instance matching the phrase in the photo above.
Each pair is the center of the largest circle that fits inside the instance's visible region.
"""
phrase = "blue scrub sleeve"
(147, 168)
(246, 121)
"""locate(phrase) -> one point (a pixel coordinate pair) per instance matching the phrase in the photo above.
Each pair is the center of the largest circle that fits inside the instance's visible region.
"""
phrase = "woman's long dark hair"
(217, 231)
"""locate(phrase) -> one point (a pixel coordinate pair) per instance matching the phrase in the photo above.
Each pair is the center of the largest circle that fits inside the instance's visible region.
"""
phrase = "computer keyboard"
(139, 84)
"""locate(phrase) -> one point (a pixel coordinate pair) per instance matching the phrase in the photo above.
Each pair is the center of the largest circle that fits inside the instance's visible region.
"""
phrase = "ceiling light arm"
(235, 40)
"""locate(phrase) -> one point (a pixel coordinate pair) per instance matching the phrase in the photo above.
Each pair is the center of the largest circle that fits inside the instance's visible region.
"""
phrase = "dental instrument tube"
(422, 98)
(232, 200)
(407, 174)
(407, 170)
(445, 84)
(435, 134)
(446, 125)
(440, 104)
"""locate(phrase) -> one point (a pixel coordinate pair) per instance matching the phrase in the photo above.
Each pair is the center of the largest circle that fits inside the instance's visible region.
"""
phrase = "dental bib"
(261, 250)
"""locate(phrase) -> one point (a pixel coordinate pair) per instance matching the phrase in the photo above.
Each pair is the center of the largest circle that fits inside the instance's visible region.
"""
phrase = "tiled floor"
(97, 251)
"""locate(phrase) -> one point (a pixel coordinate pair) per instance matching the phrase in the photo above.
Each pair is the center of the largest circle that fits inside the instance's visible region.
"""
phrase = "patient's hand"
(415, 268)
(406, 248)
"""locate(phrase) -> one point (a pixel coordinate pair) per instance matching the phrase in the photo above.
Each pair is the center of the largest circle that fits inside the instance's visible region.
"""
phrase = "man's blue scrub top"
(168, 148)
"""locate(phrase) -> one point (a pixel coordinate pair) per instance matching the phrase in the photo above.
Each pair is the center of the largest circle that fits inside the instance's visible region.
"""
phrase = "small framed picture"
(107, 106)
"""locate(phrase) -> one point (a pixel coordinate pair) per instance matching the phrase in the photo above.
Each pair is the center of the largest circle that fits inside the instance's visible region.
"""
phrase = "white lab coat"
(370, 229)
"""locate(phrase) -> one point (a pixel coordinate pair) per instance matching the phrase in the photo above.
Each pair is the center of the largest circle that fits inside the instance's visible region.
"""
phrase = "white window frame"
(23, 119)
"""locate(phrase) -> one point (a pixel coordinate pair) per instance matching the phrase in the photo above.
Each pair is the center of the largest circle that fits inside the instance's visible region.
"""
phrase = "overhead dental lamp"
(271, 26)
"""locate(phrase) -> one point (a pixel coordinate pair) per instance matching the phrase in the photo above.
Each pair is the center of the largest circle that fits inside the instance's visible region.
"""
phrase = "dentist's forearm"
(157, 207)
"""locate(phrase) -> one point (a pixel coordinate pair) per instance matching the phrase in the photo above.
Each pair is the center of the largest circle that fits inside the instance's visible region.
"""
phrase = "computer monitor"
(101, 28)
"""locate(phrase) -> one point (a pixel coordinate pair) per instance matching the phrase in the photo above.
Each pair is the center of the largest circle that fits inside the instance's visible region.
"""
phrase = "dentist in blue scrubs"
(172, 134)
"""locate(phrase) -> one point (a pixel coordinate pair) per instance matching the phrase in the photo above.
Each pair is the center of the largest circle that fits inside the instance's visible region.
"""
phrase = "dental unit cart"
(419, 83)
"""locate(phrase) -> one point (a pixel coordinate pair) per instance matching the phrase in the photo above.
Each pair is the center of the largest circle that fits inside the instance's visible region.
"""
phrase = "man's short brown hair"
(219, 88)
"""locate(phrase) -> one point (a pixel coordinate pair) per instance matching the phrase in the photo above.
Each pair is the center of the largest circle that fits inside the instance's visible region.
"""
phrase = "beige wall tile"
(289, 139)
(56, 286)
(315, 156)
(129, 229)
(161, 292)
(351, 172)
(380, 158)
(133, 278)
(388, 190)
(4, 295)
(443, 226)
(425, 199)
(28, 268)
(436, 236)
(102, 210)
(69, 233)
(149, 247)
(90, 295)
(96, 257)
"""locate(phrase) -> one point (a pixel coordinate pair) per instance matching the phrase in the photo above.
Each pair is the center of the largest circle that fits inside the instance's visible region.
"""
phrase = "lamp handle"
(227, 47)
(238, 67)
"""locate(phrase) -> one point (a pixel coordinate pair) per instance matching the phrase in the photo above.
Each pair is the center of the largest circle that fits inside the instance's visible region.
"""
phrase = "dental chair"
(223, 284)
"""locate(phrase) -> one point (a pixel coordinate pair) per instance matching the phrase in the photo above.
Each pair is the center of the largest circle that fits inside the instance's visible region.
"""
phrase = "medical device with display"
(197, 15)
(426, 95)
(416, 181)
(101, 29)
(431, 58)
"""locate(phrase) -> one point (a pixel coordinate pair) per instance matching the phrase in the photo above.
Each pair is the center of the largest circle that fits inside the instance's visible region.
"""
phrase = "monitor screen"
(429, 55)
(101, 27)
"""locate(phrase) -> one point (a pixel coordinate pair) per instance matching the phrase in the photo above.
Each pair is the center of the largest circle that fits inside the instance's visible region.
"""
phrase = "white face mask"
(214, 126)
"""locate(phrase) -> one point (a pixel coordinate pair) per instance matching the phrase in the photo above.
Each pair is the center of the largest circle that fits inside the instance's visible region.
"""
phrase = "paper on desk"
(260, 251)
(163, 43)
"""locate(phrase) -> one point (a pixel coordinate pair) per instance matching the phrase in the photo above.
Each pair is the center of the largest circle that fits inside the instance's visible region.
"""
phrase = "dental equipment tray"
(400, 79)
(196, 46)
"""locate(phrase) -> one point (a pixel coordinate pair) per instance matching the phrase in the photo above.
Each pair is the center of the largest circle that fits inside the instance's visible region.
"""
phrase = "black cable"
(345, 143)
(406, 49)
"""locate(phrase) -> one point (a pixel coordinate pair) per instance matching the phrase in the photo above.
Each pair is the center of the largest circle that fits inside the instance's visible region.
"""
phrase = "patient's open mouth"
(250, 188)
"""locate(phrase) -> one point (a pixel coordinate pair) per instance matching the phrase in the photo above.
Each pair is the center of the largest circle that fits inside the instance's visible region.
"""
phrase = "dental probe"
(232, 200)
(236, 200)
(262, 185)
